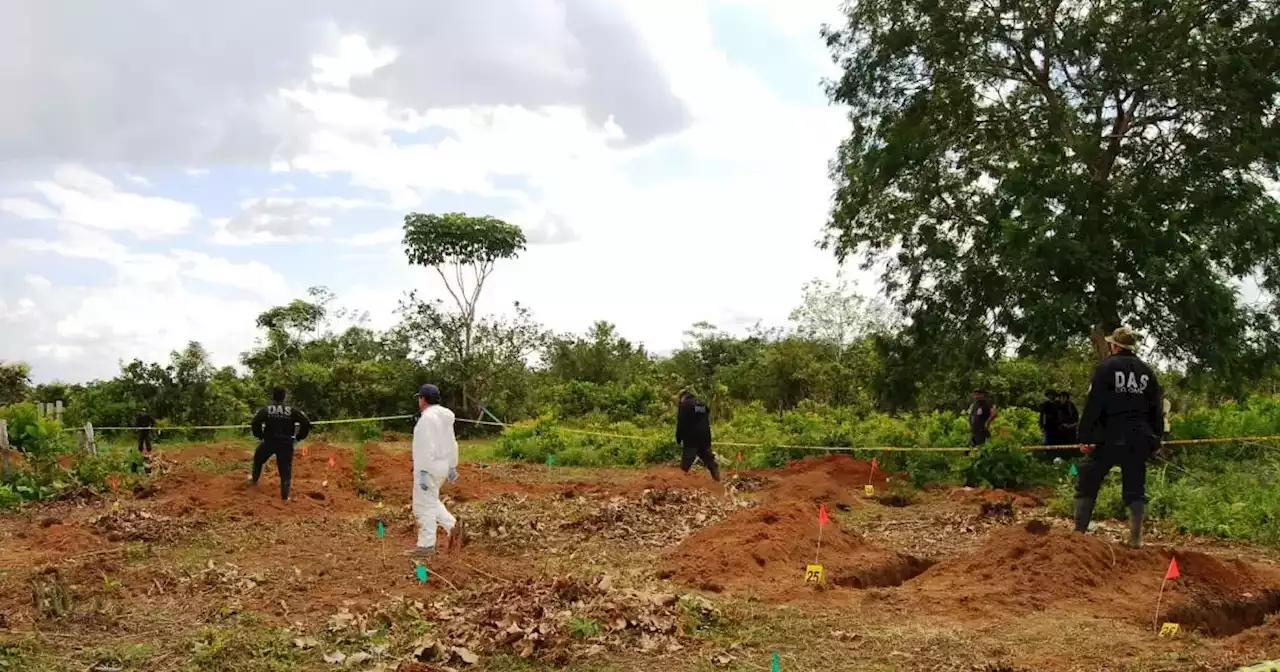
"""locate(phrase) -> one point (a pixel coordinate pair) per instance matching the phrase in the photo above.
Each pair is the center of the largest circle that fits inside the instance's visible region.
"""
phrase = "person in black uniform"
(1069, 420)
(1049, 415)
(693, 433)
(1121, 426)
(273, 425)
(981, 414)
(144, 422)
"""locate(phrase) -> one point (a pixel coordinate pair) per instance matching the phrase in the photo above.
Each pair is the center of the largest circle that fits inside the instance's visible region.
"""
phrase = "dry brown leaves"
(554, 620)
(658, 518)
(138, 525)
(654, 518)
(935, 535)
(226, 577)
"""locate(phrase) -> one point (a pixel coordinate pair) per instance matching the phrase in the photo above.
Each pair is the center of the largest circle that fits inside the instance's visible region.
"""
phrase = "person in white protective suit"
(435, 460)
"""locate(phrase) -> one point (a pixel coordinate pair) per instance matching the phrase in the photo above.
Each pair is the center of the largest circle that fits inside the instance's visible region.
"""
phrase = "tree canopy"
(1040, 172)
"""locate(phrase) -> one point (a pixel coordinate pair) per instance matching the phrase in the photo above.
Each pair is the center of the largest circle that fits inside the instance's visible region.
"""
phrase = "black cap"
(429, 392)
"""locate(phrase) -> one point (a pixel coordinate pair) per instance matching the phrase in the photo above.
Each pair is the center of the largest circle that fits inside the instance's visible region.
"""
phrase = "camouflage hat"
(1124, 337)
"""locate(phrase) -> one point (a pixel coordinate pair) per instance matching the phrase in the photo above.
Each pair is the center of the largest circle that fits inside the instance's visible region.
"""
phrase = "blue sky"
(667, 161)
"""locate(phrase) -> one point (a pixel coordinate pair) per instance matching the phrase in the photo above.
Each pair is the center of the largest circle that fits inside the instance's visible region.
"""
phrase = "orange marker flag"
(331, 461)
(305, 451)
(739, 455)
(874, 464)
(1169, 575)
(823, 518)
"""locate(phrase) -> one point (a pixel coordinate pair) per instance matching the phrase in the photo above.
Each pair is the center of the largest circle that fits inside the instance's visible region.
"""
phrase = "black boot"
(1137, 511)
(1084, 513)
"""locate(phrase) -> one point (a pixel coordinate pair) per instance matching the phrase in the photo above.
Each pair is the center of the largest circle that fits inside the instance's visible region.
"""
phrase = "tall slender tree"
(463, 250)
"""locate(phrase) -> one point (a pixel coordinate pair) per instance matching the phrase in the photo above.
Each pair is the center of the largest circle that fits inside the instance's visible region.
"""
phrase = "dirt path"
(194, 569)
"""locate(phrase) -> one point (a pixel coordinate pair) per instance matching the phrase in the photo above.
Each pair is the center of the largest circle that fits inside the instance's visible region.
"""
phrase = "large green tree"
(1047, 170)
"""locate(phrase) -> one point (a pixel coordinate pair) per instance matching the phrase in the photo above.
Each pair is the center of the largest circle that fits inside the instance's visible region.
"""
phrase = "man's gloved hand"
(1086, 449)
(453, 475)
(422, 480)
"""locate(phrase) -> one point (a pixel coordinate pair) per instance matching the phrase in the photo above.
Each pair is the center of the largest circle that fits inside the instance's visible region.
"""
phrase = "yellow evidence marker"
(1169, 629)
(813, 574)
(869, 490)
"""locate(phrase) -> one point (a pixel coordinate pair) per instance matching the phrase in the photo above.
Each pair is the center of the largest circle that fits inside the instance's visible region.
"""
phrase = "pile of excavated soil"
(1031, 567)
(771, 545)
(977, 497)
(836, 480)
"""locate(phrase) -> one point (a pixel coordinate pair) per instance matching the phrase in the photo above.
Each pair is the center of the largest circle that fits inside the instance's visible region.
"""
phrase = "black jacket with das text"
(1125, 403)
(693, 423)
(274, 423)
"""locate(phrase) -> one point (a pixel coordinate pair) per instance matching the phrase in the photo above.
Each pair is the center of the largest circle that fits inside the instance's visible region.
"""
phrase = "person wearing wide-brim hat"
(1121, 425)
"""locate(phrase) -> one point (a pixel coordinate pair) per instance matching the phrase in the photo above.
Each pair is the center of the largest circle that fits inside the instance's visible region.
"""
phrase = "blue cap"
(430, 392)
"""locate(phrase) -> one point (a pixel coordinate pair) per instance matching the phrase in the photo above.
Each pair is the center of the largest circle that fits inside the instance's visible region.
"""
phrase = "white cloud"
(270, 220)
(688, 189)
(26, 209)
(76, 195)
(94, 88)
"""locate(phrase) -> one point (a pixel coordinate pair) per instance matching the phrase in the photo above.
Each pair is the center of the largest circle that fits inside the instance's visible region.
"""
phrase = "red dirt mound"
(771, 545)
(317, 487)
(980, 496)
(831, 480)
(1031, 567)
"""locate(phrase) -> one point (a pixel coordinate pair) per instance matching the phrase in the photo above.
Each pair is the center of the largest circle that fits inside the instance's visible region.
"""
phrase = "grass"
(245, 644)
(1227, 499)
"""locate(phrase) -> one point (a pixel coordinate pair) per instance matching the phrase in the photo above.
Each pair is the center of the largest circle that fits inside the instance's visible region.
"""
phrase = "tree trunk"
(1098, 337)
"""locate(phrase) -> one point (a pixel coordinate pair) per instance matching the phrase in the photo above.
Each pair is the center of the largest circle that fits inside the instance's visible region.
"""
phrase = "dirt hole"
(1037, 527)
(884, 576)
(897, 500)
(768, 517)
(318, 496)
(1225, 618)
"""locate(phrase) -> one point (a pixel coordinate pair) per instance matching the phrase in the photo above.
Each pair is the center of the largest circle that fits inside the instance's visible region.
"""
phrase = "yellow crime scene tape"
(729, 444)
(1268, 666)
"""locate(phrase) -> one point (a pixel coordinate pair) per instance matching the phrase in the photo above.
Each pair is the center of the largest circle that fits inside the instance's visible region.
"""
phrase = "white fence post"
(57, 408)
(89, 445)
(4, 446)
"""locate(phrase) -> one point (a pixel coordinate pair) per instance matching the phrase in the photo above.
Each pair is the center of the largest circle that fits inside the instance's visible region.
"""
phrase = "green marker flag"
(1074, 470)
(422, 574)
(551, 460)
(777, 663)
(382, 530)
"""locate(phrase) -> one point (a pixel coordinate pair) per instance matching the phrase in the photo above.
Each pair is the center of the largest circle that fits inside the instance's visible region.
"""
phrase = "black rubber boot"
(1137, 511)
(1084, 513)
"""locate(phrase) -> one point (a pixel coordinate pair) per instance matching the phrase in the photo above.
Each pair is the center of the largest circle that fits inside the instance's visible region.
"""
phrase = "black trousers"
(1131, 457)
(284, 462)
(144, 441)
(703, 452)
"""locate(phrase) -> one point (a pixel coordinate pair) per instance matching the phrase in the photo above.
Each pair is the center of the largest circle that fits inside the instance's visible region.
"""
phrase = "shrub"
(1000, 463)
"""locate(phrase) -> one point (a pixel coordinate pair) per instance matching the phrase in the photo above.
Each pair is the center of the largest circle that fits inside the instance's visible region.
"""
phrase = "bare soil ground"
(194, 569)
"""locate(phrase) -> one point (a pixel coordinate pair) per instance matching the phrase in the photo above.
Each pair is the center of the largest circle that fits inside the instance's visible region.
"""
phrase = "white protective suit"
(435, 454)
